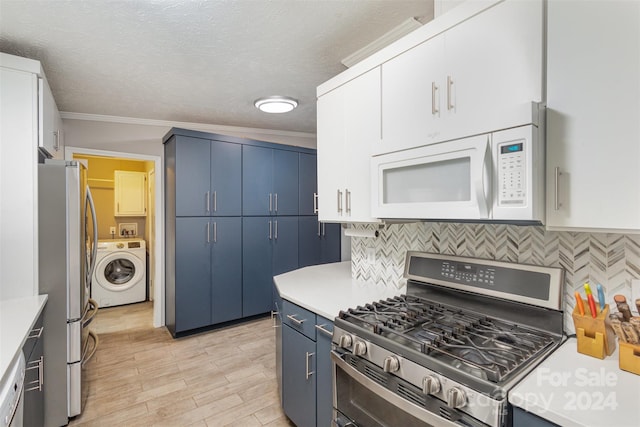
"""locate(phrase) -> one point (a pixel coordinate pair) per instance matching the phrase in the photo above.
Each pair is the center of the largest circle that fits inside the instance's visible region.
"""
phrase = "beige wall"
(101, 173)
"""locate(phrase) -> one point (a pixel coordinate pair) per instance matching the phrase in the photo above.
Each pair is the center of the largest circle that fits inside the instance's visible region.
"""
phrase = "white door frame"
(159, 296)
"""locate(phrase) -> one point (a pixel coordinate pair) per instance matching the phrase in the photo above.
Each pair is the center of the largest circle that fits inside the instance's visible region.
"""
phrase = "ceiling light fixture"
(276, 104)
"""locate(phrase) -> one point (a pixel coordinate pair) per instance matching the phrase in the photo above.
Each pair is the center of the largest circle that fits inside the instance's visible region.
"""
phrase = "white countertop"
(571, 389)
(328, 288)
(17, 318)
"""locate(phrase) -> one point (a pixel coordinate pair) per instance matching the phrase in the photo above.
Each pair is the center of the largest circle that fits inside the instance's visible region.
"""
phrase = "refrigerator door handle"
(94, 249)
(87, 355)
(91, 313)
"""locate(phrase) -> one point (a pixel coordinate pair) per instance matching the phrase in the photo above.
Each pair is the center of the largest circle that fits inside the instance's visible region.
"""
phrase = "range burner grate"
(479, 345)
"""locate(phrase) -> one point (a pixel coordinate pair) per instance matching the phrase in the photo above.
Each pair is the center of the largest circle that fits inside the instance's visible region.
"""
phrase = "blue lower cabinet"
(307, 386)
(299, 377)
(324, 382)
(192, 274)
(226, 283)
(269, 247)
(522, 418)
(208, 288)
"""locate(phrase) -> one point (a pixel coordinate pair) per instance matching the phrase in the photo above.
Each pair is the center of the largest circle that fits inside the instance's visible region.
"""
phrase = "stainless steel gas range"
(448, 351)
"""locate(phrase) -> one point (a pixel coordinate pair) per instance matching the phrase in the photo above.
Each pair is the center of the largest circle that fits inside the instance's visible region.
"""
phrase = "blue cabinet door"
(192, 176)
(324, 385)
(257, 180)
(285, 244)
(257, 270)
(226, 179)
(285, 182)
(226, 291)
(193, 274)
(309, 241)
(330, 243)
(308, 183)
(298, 377)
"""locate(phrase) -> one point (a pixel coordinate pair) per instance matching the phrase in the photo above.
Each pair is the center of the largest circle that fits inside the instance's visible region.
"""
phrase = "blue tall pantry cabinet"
(233, 209)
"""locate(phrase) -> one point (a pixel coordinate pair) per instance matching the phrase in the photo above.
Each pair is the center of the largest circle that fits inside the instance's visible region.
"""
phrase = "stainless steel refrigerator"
(67, 237)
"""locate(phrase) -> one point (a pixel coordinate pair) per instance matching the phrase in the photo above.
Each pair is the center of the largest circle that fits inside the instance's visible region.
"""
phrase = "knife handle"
(616, 324)
(600, 296)
(579, 303)
(592, 306)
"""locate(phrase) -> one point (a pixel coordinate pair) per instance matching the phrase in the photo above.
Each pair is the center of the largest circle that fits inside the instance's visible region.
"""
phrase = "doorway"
(102, 167)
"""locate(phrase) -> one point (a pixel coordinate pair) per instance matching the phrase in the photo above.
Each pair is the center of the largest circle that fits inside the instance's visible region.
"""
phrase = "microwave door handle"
(483, 182)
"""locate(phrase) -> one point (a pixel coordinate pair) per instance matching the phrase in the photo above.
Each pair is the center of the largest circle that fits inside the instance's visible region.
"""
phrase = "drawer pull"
(36, 333)
(322, 329)
(36, 385)
(294, 320)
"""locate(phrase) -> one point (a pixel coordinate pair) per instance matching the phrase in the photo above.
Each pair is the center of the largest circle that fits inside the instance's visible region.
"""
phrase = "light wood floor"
(140, 376)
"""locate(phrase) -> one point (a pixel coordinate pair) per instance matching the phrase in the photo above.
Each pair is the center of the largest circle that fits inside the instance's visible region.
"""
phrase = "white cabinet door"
(331, 159)
(362, 131)
(48, 121)
(593, 100)
(412, 94)
(476, 77)
(493, 69)
(348, 126)
(130, 193)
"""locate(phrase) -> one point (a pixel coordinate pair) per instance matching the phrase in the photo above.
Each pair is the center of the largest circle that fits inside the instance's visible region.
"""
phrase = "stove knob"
(391, 364)
(430, 384)
(345, 341)
(456, 398)
(359, 348)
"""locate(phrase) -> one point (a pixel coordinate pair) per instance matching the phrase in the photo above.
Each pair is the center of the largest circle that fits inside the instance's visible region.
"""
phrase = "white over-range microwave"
(498, 176)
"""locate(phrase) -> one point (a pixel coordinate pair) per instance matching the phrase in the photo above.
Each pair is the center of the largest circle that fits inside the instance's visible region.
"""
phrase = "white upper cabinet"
(49, 122)
(478, 76)
(593, 115)
(130, 193)
(348, 126)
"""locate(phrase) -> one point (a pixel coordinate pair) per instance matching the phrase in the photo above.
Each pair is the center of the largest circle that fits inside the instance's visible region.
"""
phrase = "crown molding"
(195, 126)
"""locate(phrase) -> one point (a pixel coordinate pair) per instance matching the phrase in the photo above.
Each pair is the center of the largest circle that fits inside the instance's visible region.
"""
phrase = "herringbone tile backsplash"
(612, 260)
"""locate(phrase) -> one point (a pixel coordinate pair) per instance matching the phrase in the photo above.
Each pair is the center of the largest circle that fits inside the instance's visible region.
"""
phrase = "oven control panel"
(468, 273)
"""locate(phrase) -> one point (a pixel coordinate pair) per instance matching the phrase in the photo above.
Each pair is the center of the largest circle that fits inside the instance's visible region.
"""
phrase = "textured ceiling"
(195, 61)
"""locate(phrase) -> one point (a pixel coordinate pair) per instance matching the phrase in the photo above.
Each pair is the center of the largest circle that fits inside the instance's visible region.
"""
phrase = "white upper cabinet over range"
(478, 76)
(593, 115)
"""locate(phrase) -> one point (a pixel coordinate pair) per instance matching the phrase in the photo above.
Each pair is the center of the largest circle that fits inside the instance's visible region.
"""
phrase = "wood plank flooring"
(140, 376)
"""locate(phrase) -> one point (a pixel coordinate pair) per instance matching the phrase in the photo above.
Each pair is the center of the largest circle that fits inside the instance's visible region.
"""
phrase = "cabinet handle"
(36, 385)
(275, 228)
(215, 232)
(307, 373)
(319, 232)
(206, 203)
(270, 202)
(215, 201)
(434, 89)
(56, 137)
(348, 198)
(315, 203)
(273, 317)
(557, 203)
(324, 229)
(270, 231)
(294, 320)
(36, 333)
(208, 233)
(449, 84)
(275, 203)
(339, 202)
(325, 331)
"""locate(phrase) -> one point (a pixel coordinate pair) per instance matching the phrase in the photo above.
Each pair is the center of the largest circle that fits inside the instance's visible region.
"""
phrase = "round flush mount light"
(276, 104)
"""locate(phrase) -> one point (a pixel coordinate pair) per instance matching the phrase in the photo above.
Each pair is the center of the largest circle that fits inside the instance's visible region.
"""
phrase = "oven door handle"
(394, 399)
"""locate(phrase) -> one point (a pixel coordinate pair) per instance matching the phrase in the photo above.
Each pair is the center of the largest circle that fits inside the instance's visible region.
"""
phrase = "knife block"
(629, 357)
(595, 335)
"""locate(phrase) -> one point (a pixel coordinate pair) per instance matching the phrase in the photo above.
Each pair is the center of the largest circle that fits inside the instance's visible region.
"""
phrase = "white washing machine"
(120, 275)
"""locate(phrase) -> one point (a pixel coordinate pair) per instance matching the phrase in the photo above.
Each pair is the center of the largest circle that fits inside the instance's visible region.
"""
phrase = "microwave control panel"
(511, 174)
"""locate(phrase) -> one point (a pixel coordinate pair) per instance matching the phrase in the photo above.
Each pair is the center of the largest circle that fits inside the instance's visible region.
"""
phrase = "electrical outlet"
(371, 255)
(112, 230)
